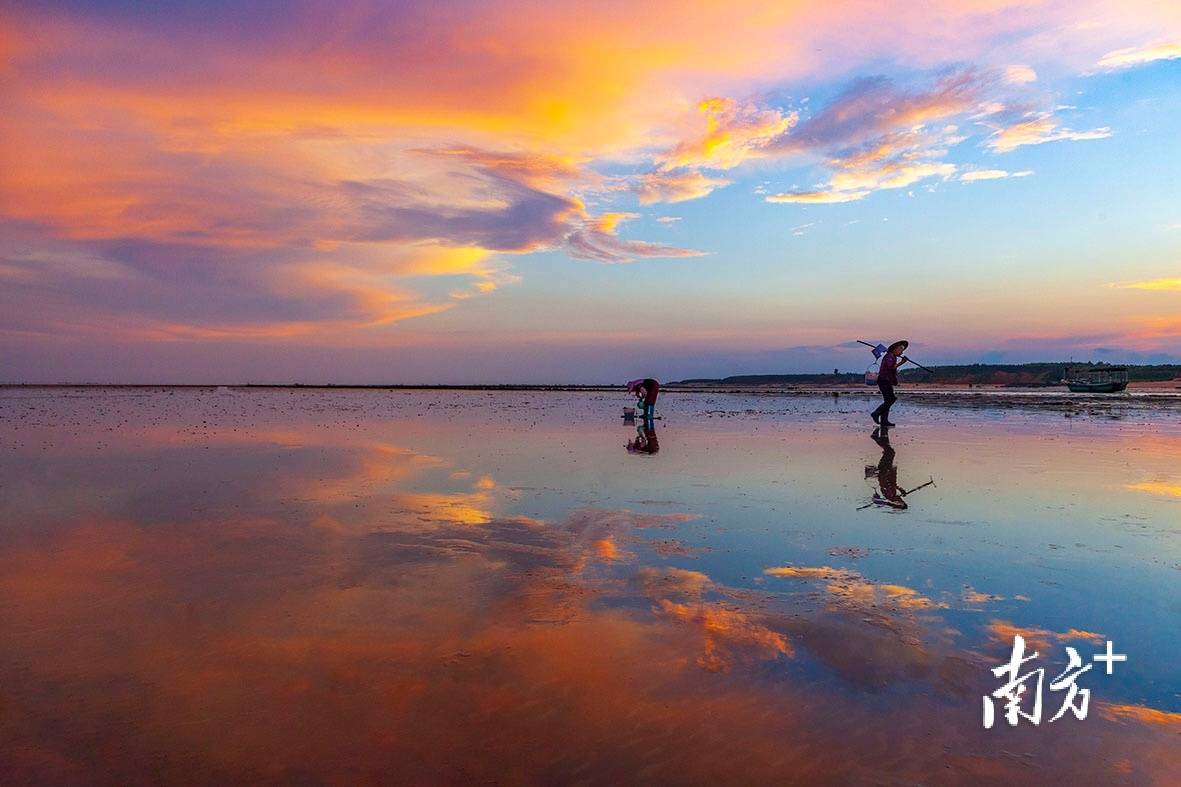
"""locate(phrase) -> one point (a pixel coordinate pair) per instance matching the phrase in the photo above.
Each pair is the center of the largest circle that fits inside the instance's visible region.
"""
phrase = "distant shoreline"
(1030, 377)
(1143, 398)
(1162, 387)
(328, 386)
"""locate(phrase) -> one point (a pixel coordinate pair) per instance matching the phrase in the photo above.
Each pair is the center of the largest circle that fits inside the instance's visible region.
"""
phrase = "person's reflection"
(886, 473)
(645, 442)
(888, 493)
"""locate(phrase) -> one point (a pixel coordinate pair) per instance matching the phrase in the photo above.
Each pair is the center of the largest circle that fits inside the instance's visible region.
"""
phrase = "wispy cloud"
(877, 135)
(850, 588)
(734, 132)
(817, 197)
(1142, 714)
(873, 107)
(1163, 488)
(1171, 284)
(1020, 74)
(655, 187)
(596, 240)
(992, 174)
(874, 135)
(891, 161)
(1037, 128)
(1002, 632)
(895, 173)
(1140, 55)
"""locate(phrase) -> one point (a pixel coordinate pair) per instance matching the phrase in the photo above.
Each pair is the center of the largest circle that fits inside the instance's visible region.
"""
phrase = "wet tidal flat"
(443, 587)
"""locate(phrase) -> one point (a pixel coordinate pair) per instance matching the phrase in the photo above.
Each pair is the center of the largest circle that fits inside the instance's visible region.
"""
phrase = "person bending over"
(646, 391)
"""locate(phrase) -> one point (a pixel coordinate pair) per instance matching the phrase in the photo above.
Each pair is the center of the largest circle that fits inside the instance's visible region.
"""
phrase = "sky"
(583, 192)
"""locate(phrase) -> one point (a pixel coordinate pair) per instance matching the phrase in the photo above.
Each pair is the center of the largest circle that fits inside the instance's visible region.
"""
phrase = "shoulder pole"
(916, 363)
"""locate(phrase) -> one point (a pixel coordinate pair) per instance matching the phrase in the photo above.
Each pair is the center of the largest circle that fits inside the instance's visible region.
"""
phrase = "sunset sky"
(520, 191)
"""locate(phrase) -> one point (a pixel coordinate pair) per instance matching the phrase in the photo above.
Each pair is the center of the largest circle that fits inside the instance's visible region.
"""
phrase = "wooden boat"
(1103, 379)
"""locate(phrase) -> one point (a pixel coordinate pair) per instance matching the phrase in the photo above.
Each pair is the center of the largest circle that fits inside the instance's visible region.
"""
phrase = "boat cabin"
(1097, 379)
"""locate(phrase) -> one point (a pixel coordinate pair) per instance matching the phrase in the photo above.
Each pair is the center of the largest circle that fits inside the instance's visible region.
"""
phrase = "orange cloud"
(609, 222)
(675, 187)
(973, 596)
(1163, 488)
(734, 133)
(909, 598)
(607, 549)
(1002, 632)
(1141, 714)
(850, 587)
(808, 572)
(1038, 129)
(727, 632)
(1168, 284)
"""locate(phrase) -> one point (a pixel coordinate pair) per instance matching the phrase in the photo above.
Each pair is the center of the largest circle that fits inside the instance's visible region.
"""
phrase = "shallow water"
(203, 586)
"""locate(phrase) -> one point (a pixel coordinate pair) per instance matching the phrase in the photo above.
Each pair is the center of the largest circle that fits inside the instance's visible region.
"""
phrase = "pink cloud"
(1140, 55)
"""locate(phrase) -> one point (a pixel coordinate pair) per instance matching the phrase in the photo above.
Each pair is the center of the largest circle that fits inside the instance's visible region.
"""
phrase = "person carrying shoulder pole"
(887, 379)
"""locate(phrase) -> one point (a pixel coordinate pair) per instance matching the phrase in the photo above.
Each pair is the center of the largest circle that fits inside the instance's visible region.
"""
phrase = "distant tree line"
(1019, 374)
(1033, 374)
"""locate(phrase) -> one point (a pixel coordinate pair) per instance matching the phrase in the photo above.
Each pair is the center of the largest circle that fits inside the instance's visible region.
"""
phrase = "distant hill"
(1024, 375)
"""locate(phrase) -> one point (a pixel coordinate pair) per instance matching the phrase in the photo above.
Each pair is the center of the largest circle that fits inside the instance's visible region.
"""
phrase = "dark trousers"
(888, 398)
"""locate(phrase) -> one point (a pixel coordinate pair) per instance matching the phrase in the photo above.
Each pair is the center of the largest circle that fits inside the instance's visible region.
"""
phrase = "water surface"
(214, 585)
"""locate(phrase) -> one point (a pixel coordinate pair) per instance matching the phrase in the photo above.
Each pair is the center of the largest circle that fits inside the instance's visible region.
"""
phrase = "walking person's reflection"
(888, 493)
(887, 473)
